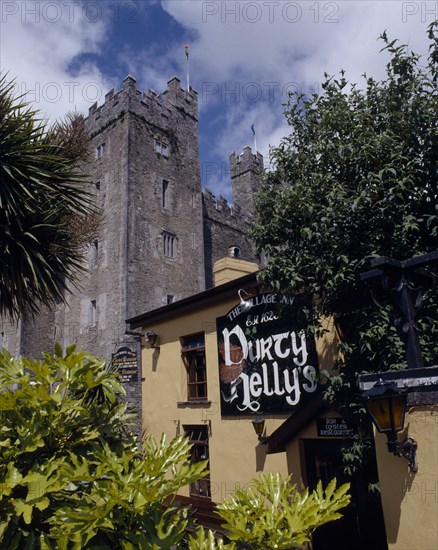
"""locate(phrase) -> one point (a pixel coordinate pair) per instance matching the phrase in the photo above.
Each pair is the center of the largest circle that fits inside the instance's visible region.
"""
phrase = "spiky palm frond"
(40, 191)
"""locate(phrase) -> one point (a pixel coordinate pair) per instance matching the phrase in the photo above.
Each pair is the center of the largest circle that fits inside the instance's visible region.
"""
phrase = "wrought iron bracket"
(405, 449)
(404, 282)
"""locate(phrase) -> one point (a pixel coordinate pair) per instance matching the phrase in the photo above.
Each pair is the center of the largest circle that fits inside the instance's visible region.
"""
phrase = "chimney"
(228, 269)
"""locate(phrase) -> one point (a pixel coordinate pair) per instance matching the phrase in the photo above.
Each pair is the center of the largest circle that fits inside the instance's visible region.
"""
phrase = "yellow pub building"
(236, 357)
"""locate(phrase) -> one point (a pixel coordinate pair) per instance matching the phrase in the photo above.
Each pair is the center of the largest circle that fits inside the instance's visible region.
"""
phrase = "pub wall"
(410, 500)
(235, 454)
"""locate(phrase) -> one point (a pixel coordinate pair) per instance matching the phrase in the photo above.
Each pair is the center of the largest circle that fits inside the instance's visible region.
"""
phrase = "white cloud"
(39, 42)
(247, 48)
(268, 39)
(244, 56)
(151, 66)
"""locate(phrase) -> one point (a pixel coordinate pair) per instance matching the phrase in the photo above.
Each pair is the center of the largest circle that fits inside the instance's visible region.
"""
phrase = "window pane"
(198, 437)
(93, 313)
(193, 354)
(193, 342)
(169, 245)
(100, 150)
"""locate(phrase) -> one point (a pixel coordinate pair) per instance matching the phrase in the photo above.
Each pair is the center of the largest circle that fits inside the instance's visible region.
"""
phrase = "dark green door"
(362, 526)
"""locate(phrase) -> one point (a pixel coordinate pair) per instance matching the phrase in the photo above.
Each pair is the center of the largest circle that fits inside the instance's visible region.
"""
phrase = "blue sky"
(244, 56)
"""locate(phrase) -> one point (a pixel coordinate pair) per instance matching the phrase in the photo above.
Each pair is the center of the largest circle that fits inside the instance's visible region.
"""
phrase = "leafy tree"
(45, 213)
(356, 179)
(273, 514)
(71, 473)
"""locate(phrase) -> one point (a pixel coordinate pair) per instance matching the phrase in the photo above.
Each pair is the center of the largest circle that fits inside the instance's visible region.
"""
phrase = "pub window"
(100, 150)
(161, 148)
(198, 437)
(193, 354)
(169, 245)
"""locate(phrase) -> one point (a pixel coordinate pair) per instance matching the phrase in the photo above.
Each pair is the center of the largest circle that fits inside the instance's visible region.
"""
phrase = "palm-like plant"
(41, 192)
(71, 472)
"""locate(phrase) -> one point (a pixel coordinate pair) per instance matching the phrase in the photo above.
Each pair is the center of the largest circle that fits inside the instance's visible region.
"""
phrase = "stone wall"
(224, 226)
(227, 225)
(246, 171)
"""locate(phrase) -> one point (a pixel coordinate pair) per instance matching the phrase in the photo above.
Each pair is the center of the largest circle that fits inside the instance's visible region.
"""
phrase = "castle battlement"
(219, 209)
(246, 161)
(150, 104)
(225, 226)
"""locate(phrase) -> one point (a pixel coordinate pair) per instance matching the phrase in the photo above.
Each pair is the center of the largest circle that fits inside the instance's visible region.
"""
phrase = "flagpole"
(186, 50)
(255, 142)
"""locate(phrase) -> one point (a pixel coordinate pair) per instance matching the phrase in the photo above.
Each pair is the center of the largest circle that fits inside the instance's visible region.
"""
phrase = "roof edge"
(196, 301)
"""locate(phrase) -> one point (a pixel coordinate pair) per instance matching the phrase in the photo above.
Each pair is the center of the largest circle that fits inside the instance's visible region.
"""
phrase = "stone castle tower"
(226, 225)
(159, 236)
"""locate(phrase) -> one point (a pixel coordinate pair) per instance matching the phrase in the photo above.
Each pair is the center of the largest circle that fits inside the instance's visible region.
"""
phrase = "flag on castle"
(186, 51)
(254, 135)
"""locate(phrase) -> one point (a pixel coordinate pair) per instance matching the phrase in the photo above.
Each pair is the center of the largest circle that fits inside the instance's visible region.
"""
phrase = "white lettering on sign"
(262, 299)
(286, 382)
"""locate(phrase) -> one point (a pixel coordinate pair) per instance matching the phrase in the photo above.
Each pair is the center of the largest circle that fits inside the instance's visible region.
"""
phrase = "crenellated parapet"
(219, 209)
(247, 161)
(175, 96)
(246, 172)
(157, 108)
(225, 226)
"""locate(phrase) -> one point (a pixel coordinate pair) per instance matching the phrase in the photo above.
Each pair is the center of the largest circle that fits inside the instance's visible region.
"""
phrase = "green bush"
(273, 514)
(72, 475)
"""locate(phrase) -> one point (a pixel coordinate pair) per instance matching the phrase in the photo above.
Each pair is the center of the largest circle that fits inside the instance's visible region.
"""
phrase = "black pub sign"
(125, 361)
(267, 356)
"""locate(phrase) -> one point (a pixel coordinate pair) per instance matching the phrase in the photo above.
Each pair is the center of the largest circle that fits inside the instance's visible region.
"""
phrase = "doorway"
(362, 526)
